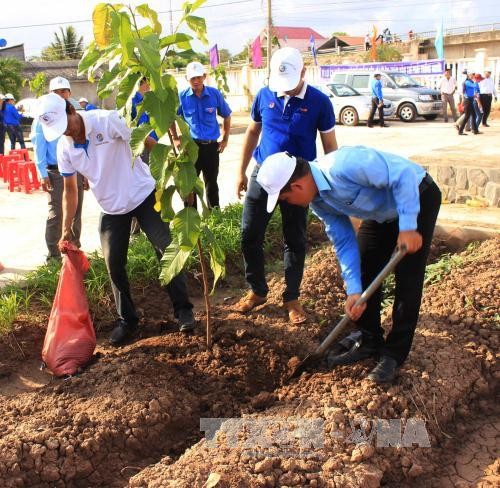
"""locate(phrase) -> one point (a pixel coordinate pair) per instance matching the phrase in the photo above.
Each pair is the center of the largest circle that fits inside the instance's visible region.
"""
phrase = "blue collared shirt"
(10, 115)
(362, 182)
(45, 151)
(292, 128)
(471, 88)
(377, 89)
(200, 113)
(89, 106)
(144, 118)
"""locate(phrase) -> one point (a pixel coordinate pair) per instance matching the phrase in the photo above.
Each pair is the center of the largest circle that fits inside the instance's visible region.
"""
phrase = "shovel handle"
(339, 328)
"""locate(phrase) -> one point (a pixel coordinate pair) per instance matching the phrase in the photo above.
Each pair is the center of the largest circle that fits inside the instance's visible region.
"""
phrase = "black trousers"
(2, 138)
(486, 99)
(376, 244)
(253, 229)
(208, 164)
(15, 134)
(375, 106)
(469, 114)
(115, 235)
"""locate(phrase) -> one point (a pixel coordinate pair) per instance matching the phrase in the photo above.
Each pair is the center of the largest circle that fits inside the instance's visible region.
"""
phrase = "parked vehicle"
(409, 97)
(350, 106)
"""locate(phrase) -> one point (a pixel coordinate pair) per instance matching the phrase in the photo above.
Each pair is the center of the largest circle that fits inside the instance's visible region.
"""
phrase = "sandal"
(248, 302)
(296, 313)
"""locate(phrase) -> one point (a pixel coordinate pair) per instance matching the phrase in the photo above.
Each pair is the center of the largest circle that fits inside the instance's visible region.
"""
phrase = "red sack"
(70, 339)
(461, 108)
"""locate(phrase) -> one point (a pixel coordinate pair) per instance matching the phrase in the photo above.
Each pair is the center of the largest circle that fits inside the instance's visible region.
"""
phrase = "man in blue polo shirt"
(84, 103)
(377, 101)
(199, 106)
(398, 203)
(470, 92)
(286, 116)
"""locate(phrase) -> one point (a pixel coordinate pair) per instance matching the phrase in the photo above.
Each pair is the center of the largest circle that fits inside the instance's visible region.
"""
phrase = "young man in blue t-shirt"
(286, 116)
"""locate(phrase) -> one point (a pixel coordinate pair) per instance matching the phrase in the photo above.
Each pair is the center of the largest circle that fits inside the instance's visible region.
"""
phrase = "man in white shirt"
(448, 87)
(487, 91)
(97, 146)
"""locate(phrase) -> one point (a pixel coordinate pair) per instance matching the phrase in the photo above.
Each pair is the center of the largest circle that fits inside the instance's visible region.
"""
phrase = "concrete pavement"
(22, 217)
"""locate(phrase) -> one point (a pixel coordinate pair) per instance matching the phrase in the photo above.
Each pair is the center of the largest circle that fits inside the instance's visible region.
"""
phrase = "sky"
(231, 23)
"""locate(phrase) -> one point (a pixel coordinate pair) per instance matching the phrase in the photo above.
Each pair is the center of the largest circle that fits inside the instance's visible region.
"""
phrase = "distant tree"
(385, 53)
(244, 54)
(66, 45)
(38, 84)
(10, 75)
(339, 33)
(224, 55)
(180, 60)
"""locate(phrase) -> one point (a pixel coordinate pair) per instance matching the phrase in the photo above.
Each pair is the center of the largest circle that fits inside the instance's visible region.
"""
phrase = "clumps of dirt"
(452, 364)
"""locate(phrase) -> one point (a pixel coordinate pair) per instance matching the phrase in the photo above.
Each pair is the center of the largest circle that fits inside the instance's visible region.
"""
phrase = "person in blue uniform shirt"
(12, 120)
(377, 101)
(398, 203)
(84, 103)
(286, 116)
(199, 106)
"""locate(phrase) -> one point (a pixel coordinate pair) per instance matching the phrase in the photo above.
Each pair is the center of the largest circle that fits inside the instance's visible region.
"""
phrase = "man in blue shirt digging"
(398, 203)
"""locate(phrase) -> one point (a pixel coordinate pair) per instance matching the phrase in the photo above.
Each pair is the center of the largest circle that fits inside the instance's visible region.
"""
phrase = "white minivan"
(409, 97)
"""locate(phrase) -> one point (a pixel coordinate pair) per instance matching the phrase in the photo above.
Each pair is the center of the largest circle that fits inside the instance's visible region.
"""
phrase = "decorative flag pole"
(214, 56)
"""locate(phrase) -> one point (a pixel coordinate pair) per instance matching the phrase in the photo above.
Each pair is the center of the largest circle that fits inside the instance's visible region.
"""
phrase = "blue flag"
(313, 49)
(439, 42)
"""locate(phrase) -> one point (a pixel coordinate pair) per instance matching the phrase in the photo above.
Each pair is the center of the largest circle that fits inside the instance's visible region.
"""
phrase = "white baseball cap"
(59, 83)
(194, 69)
(9, 96)
(274, 174)
(286, 69)
(52, 116)
(83, 99)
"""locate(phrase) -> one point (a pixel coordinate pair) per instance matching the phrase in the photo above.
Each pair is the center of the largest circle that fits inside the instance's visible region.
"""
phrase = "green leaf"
(101, 17)
(198, 26)
(150, 58)
(150, 14)
(138, 137)
(127, 89)
(167, 211)
(173, 261)
(178, 39)
(161, 112)
(90, 57)
(157, 159)
(187, 227)
(185, 178)
(217, 256)
(126, 38)
(110, 80)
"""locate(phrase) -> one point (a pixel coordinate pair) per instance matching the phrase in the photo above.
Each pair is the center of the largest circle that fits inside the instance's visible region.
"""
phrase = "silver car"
(350, 106)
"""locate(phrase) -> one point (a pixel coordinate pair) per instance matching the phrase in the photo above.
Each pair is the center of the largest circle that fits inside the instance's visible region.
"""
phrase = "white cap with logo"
(83, 99)
(286, 69)
(274, 174)
(194, 69)
(9, 96)
(59, 83)
(52, 116)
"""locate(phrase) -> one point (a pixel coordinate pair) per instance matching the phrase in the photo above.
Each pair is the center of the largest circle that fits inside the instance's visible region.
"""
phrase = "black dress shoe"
(346, 343)
(359, 351)
(123, 333)
(385, 125)
(486, 125)
(186, 319)
(369, 125)
(385, 371)
(462, 134)
(477, 132)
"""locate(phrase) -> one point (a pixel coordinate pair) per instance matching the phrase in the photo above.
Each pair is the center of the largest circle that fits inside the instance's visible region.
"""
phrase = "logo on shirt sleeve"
(271, 105)
(210, 110)
(99, 137)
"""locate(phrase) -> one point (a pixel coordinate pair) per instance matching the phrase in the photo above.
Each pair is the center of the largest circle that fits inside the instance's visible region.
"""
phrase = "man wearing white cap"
(199, 106)
(12, 120)
(96, 144)
(286, 116)
(398, 203)
(84, 103)
(52, 182)
(487, 91)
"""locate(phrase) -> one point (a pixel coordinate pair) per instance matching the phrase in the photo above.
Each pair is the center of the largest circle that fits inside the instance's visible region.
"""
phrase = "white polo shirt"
(118, 183)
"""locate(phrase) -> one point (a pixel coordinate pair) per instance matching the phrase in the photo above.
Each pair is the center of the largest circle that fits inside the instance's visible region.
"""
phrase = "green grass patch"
(9, 308)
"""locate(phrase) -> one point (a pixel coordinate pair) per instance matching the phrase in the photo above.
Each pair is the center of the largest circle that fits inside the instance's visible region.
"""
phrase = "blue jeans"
(253, 228)
(15, 135)
(477, 113)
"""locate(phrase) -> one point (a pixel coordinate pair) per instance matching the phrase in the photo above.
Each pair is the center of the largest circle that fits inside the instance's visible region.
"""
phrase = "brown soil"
(133, 417)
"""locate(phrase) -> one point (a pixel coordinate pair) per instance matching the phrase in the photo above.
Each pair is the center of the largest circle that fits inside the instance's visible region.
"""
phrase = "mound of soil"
(452, 364)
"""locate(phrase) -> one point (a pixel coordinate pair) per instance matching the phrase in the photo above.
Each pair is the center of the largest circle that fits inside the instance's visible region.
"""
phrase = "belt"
(204, 142)
(425, 183)
(52, 166)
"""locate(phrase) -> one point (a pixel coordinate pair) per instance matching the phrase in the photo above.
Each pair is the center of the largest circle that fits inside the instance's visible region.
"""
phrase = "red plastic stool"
(2, 171)
(21, 153)
(28, 179)
(5, 165)
(13, 175)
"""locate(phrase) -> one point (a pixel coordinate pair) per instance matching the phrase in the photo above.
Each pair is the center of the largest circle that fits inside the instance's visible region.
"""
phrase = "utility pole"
(269, 36)
(171, 21)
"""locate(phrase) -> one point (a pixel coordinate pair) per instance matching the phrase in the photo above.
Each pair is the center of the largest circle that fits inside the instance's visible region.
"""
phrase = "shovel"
(311, 359)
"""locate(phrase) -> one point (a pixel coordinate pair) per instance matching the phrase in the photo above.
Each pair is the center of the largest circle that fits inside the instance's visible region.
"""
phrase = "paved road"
(22, 217)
